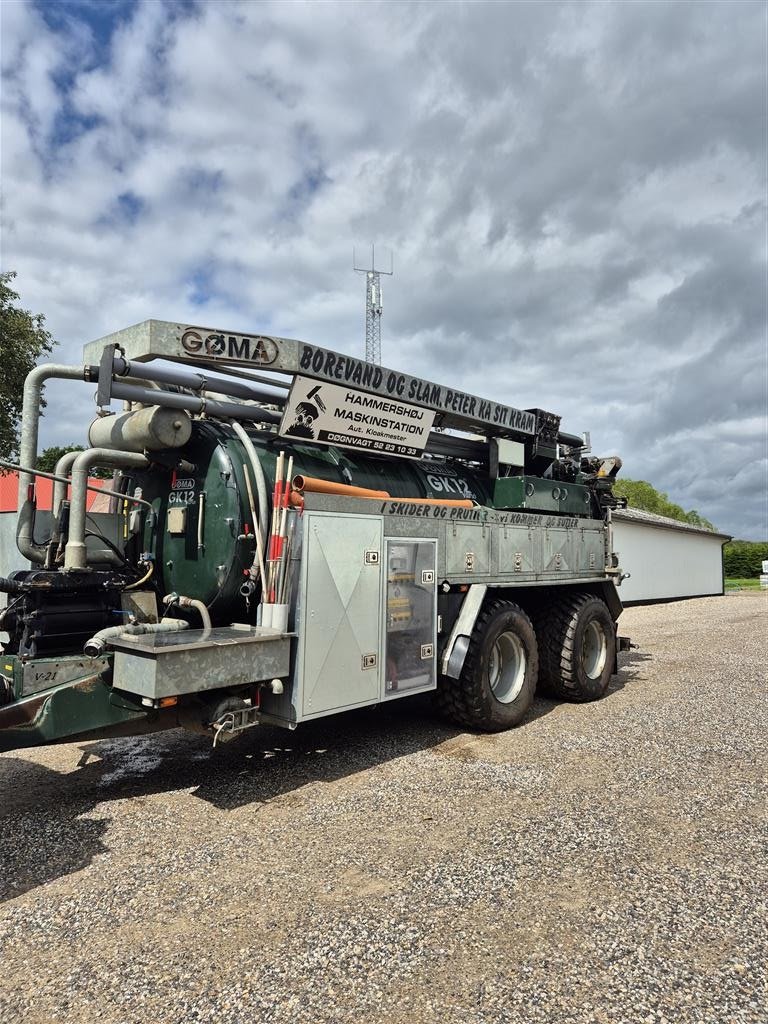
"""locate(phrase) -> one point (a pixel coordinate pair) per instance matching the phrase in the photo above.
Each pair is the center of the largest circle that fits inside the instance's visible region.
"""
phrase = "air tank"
(152, 428)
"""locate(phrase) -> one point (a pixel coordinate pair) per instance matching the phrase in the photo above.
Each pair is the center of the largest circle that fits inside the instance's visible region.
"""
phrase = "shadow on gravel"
(630, 670)
(628, 673)
(45, 826)
(628, 666)
(43, 833)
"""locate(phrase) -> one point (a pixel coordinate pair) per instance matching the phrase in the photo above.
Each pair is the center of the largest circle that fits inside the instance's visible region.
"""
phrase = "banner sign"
(322, 363)
(211, 346)
(354, 419)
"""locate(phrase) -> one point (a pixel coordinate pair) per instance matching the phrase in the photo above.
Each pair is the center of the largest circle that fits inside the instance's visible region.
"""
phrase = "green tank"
(200, 532)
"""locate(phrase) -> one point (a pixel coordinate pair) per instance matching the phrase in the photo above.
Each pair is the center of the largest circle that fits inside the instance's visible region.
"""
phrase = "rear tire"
(498, 681)
(577, 647)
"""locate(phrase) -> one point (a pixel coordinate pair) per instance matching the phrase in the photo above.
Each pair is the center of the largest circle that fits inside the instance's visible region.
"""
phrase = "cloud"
(575, 195)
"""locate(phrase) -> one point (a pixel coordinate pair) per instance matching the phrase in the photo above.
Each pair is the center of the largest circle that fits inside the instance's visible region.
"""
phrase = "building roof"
(636, 515)
(9, 488)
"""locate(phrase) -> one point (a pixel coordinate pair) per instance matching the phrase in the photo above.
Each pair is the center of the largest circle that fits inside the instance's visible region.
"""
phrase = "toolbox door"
(410, 616)
(340, 644)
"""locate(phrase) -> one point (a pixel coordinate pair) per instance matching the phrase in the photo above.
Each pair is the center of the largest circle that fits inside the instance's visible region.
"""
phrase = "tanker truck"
(291, 532)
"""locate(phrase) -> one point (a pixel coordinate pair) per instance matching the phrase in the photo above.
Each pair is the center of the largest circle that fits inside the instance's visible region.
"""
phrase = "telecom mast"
(373, 305)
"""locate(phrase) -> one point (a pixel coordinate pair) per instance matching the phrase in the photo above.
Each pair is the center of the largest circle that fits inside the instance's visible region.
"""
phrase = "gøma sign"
(255, 349)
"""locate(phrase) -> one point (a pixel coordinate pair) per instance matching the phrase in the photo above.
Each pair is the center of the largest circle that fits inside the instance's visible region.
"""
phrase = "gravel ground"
(601, 863)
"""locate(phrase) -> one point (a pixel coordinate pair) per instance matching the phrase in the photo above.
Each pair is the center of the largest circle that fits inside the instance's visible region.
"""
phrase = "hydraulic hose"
(144, 578)
(11, 587)
(190, 602)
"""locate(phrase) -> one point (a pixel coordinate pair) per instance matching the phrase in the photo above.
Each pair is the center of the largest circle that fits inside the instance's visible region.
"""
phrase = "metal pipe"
(75, 551)
(201, 521)
(451, 446)
(233, 371)
(63, 471)
(437, 443)
(30, 425)
(98, 642)
(67, 480)
(571, 440)
(60, 488)
(98, 555)
(193, 381)
(220, 410)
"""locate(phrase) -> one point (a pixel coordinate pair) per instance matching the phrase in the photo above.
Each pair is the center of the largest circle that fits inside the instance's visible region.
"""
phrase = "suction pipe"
(98, 642)
(63, 468)
(75, 551)
(30, 425)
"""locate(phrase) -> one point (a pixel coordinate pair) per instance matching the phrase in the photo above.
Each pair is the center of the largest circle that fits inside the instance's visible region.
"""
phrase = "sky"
(574, 195)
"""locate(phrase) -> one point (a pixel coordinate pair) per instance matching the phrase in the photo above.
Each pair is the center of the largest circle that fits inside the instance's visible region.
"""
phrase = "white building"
(666, 559)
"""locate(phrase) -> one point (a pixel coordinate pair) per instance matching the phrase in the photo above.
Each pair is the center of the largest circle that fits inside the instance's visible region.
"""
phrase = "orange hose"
(301, 484)
(311, 483)
(297, 500)
(452, 502)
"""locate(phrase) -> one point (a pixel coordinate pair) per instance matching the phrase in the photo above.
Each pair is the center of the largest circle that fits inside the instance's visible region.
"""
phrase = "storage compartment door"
(410, 611)
(342, 612)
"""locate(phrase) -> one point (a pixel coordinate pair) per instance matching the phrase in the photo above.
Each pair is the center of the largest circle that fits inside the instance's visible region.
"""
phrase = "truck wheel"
(577, 644)
(498, 680)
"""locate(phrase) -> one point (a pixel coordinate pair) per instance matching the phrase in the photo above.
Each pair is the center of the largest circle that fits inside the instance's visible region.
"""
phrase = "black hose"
(10, 586)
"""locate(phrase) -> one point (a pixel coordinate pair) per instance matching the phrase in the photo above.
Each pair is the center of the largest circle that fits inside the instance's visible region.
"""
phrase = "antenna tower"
(373, 305)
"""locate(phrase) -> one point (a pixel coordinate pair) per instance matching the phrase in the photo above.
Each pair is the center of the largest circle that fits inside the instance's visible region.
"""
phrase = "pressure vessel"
(200, 531)
(152, 428)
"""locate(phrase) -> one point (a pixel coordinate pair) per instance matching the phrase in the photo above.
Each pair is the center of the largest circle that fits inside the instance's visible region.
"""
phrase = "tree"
(48, 458)
(23, 339)
(743, 559)
(642, 495)
(695, 519)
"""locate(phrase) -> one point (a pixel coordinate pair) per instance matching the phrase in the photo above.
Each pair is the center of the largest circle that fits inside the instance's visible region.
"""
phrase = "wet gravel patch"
(601, 863)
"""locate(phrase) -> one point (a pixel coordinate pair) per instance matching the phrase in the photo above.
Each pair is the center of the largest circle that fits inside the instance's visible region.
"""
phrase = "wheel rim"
(506, 668)
(594, 650)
